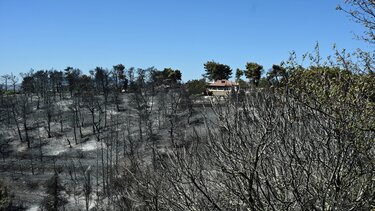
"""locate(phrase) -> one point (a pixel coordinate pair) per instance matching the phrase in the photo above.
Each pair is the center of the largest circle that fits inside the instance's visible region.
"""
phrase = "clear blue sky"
(181, 34)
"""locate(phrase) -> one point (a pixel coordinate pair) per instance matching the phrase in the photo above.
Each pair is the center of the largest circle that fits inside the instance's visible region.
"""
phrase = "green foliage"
(346, 97)
(216, 71)
(196, 87)
(7, 92)
(119, 69)
(277, 75)
(253, 72)
(239, 74)
(173, 75)
(167, 76)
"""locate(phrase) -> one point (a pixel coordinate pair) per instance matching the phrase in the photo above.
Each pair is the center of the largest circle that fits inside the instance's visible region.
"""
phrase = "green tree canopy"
(253, 72)
(276, 75)
(196, 86)
(239, 74)
(216, 71)
(119, 69)
(173, 75)
(167, 76)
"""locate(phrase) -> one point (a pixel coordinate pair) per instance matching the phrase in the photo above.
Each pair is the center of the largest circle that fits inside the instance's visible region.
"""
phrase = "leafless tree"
(6, 78)
(296, 147)
(14, 81)
(362, 12)
(25, 111)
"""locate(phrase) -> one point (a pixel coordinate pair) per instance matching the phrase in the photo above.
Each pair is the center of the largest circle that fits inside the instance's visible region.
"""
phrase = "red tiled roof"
(223, 83)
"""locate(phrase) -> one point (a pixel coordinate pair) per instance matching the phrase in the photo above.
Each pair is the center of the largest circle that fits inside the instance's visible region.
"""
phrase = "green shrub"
(196, 87)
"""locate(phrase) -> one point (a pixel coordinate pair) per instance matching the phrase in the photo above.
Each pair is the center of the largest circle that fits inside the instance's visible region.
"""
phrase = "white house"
(222, 87)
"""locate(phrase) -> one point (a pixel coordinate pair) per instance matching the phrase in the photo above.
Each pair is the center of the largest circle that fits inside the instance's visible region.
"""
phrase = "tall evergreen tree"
(253, 72)
(216, 71)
